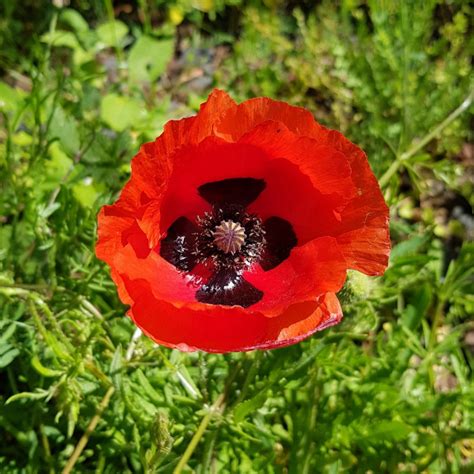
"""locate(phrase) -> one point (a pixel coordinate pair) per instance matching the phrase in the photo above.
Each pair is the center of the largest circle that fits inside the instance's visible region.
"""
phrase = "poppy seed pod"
(238, 225)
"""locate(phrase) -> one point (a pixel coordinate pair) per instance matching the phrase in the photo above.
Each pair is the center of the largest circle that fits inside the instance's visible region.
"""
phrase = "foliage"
(389, 390)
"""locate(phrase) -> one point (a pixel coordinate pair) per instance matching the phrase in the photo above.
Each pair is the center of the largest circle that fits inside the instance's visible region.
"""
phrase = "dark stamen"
(177, 247)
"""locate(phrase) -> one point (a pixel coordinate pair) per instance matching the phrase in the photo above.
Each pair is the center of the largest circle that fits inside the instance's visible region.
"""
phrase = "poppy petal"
(165, 280)
(212, 161)
(308, 183)
(237, 121)
(223, 329)
(152, 165)
(311, 270)
(360, 219)
(363, 232)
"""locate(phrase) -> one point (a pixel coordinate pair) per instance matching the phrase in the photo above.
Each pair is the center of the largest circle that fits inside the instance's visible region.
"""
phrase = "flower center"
(229, 236)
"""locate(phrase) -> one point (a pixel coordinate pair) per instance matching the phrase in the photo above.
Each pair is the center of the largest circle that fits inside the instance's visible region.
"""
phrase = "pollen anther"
(229, 236)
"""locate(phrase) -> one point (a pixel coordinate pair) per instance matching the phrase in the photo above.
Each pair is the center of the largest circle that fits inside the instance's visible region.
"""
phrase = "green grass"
(388, 390)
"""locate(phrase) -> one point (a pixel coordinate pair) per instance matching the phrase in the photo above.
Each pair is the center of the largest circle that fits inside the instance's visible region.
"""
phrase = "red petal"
(363, 232)
(307, 183)
(212, 160)
(110, 232)
(311, 270)
(241, 119)
(165, 281)
(152, 166)
(218, 329)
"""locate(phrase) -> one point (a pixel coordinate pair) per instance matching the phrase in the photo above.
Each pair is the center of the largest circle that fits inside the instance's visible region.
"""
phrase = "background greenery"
(83, 84)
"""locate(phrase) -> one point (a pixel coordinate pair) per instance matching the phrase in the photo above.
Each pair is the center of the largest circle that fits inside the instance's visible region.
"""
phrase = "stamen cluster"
(249, 241)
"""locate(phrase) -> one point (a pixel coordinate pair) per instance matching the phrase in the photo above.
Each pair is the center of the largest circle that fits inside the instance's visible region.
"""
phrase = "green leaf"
(65, 128)
(408, 247)
(116, 367)
(6, 333)
(7, 354)
(112, 33)
(37, 395)
(120, 112)
(147, 388)
(9, 97)
(74, 19)
(86, 192)
(149, 57)
(42, 370)
(61, 38)
(393, 430)
(58, 164)
(250, 405)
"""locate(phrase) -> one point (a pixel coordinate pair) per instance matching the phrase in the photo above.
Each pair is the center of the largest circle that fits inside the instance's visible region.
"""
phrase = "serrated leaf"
(250, 405)
(65, 128)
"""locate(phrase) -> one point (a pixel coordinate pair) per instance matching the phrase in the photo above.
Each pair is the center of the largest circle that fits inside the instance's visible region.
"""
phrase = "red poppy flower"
(237, 227)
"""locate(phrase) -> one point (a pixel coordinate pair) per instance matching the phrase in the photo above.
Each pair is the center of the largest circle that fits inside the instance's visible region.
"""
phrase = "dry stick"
(384, 180)
(100, 409)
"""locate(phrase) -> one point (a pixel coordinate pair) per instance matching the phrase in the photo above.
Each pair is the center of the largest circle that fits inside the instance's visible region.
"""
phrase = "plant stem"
(111, 17)
(100, 409)
(92, 425)
(393, 168)
(438, 315)
(216, 408)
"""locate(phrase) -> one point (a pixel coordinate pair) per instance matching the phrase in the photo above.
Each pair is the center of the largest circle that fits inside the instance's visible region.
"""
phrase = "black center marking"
(233, 191)
(228, 241)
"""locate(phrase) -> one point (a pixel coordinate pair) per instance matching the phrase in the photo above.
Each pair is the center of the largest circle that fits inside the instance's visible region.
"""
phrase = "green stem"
(438, 315)
(143, 5)
(393, 168)
(90, 429)
(111, 17)
(216, 408)
(104, 403)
